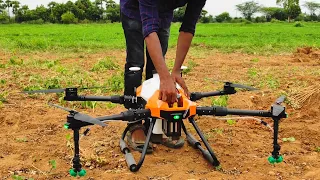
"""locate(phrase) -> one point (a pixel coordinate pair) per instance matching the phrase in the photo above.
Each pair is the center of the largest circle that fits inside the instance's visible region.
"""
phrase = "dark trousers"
(135, 53)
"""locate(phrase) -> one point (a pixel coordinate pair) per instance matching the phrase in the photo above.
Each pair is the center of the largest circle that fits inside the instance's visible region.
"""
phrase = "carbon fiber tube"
(222, 111)
(249, 112)
(112, 117)
(193, 141)
(206, 155)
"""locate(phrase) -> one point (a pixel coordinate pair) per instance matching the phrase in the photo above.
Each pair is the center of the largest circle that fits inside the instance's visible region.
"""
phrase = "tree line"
(85, 11)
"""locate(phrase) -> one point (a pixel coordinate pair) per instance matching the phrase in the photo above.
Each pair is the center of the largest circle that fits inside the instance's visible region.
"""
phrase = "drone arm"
(199, 95)
(222, 111)
(130, 115)
(114, 99)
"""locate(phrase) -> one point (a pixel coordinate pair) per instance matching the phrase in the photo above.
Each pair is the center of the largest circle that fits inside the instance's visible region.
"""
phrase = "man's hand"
(168, 91)
(178, 79)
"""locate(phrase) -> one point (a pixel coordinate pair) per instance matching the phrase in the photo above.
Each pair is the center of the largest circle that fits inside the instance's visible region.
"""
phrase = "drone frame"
(277, 112)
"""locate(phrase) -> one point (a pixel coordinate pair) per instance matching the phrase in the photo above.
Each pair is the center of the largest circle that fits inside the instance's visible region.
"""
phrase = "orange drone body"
(149, 91)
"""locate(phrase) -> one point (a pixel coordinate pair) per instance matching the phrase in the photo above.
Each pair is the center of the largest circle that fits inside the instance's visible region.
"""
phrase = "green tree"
(58, 10)
(51, 6)
(15, 7)
(68, 18)
(8, 5)
(223, 17)
(4, 19)
(312, 7)
(42, 13)
(274, 13)
(2, 6)
(178, 14)
(248, 9)
(113, 11)
(292, 8)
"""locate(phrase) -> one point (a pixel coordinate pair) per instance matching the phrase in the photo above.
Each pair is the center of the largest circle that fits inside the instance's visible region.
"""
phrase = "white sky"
(213, 6)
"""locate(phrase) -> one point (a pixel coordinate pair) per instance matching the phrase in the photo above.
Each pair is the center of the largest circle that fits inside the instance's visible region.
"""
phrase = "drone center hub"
(171, 124)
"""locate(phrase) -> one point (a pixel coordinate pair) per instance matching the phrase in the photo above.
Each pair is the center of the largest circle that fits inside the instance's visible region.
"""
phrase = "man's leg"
(135, 53)
(135, 58)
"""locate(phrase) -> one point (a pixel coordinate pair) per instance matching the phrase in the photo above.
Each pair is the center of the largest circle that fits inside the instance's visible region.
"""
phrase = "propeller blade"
(63, 108)
(88, 119)
(79, 116)
(45, 91)
(242, 86)
(280, 100)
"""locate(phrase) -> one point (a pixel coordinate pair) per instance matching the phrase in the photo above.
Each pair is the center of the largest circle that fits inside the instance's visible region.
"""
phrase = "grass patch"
(227, 37)
(220, 101)
(105, 64)
(231, 122)
(116, 82)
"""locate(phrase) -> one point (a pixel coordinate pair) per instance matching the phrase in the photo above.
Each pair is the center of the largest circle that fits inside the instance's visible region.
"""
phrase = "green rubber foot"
(66, 126)
(73, 173)
(82, 173)
(272, 160)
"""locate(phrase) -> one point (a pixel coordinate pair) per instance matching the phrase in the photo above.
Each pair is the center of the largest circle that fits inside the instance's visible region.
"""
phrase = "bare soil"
(32, 133)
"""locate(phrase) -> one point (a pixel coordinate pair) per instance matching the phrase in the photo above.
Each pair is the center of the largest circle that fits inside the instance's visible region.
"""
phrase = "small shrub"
(52, 83)
(116, 83)
(68, 18)
(298, 24)
(105, 64)
(273, 20)
(220, 101)
(246, 22)
(231, 122)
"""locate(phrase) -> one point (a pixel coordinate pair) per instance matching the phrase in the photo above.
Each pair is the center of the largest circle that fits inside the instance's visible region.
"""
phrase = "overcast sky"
(213, 6)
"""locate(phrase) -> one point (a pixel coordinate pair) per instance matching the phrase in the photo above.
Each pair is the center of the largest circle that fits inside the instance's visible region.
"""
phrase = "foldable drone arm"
(131, 115)
(277, 112)
(199, 95)
(222, 111)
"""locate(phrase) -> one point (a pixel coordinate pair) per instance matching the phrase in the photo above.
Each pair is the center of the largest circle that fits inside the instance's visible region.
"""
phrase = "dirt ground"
(32, 133)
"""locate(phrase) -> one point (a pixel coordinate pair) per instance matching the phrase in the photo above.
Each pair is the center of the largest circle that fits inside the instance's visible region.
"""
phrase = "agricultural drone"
(165, 120)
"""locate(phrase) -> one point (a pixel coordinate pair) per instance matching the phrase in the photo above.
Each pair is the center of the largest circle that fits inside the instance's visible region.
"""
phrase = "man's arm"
(150, 24)
(187, 31)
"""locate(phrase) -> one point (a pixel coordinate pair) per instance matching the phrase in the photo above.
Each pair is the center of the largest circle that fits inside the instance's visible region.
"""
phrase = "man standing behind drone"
(149, 21)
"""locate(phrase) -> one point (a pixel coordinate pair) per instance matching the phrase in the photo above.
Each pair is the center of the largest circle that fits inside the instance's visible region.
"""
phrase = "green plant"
(17, 177)
(53, 164)
(220, 101)
(298, 24)
(3, 96)
(231, 122)
(116, 82)
(15, 61)
(32, 87)
(105, 64)
(217, 130)
(3, 81)
(2, 66)
(255, 60)
(50, 64)
(22, 139)
(52, 83)
(252, 72)
(272, 82)
(110, 105)
(89, 104)
(318, 149)
(290, 139)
